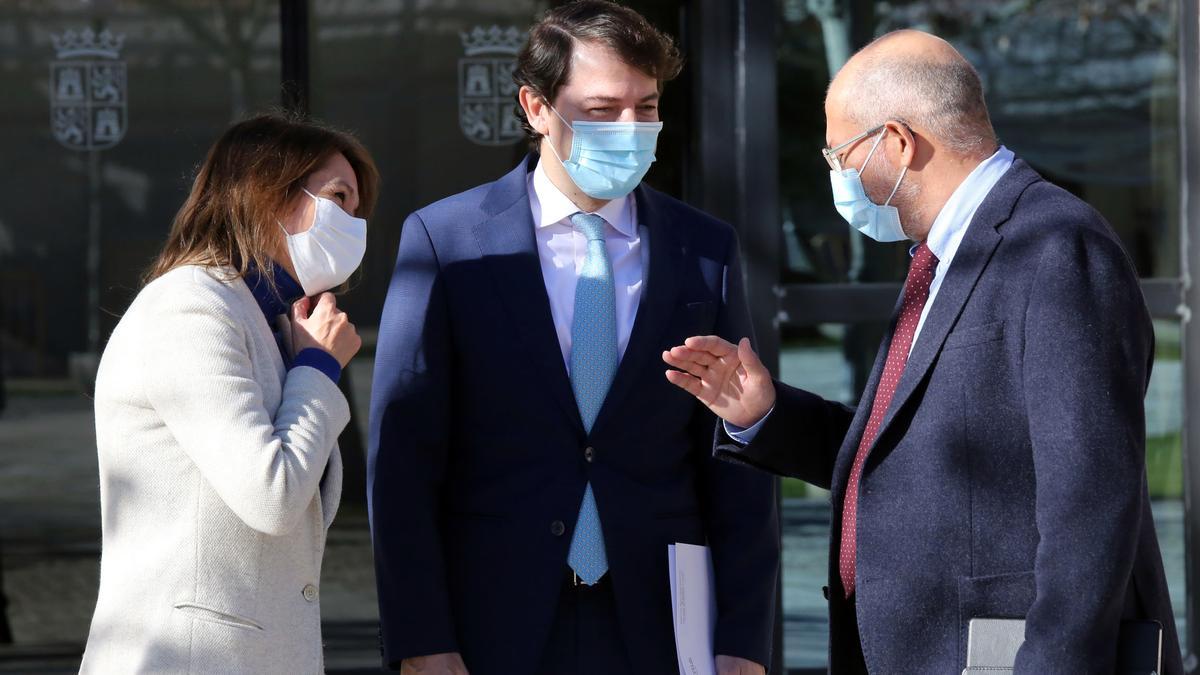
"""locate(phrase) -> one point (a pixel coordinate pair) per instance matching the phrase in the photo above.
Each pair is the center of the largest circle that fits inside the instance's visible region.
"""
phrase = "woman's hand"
(324, 326)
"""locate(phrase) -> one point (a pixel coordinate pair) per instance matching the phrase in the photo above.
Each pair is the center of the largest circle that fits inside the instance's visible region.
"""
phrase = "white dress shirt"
(943, 240)
(562, 250)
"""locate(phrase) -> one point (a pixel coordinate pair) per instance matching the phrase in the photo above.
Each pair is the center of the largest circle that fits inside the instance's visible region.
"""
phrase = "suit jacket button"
(589, 454)
(557, 528)
(310, 593)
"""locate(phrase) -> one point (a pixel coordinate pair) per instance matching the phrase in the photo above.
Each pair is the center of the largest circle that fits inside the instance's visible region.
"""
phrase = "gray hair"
(942, 97)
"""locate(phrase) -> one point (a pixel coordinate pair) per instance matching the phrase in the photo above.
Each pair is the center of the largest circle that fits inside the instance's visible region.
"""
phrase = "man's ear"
(907, 140)
(535, 108)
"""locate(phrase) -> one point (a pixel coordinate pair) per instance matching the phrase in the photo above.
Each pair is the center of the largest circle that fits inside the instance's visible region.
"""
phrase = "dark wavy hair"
(544, 63)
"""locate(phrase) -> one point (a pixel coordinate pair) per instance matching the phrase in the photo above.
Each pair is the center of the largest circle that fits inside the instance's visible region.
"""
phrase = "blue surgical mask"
(879, 222)
(609, 159)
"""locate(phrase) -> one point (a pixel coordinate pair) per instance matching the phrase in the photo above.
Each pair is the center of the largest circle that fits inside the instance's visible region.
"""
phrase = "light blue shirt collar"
(952, 221)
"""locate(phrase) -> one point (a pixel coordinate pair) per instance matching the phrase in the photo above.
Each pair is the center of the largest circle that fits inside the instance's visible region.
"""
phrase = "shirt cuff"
(321, 360)
(746, 436)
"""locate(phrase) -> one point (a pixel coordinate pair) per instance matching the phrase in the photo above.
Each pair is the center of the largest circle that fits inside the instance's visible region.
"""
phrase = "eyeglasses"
(832, 157)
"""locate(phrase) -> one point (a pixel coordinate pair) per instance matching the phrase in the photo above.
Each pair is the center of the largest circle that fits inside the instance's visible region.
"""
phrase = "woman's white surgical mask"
(326, 254)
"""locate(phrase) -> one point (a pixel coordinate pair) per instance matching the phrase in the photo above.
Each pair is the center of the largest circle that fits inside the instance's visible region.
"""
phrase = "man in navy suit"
(528, 464)
(995, 465)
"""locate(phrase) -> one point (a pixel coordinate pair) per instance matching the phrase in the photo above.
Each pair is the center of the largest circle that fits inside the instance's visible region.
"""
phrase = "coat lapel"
(657, 305)
(973, 254)
(509, 250)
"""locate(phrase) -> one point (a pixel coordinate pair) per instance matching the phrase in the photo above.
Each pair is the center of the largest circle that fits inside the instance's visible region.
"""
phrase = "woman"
(217, 415)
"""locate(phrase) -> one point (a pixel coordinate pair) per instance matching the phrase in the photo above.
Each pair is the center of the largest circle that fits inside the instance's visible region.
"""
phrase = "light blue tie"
(593, 366)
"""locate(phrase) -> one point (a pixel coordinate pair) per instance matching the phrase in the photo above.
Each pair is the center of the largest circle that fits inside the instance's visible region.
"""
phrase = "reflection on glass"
(107, 109)
(428, 88)
(816, 359)
(1164, 463)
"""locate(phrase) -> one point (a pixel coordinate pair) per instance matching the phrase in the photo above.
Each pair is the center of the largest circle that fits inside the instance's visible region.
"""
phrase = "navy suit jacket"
(1008, 478)
(477, 466)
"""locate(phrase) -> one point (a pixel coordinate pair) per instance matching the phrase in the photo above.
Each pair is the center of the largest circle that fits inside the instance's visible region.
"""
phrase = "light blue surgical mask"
(609, 159)
(879, 222)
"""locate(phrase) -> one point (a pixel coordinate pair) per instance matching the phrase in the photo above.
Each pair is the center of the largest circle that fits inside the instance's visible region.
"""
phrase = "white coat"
(219, 475)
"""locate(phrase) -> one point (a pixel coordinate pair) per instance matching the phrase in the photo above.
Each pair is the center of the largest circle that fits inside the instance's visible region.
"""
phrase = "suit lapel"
(657, 305)
(973, 254)
(509, 250)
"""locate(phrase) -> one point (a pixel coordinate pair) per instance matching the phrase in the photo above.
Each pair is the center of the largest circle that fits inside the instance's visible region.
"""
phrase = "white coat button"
(310, 593)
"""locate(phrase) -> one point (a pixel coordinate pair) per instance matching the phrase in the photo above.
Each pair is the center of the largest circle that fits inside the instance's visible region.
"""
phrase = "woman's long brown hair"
(230, 218)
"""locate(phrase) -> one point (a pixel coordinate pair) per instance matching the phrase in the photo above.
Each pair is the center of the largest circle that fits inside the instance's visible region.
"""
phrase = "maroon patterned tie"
(916, 292)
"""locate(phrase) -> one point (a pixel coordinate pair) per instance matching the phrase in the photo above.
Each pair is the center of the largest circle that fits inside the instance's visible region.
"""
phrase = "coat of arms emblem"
(88, 90)
(486, 93)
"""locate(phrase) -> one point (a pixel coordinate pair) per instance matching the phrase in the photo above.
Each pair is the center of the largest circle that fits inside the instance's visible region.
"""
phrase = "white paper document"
(694, 607)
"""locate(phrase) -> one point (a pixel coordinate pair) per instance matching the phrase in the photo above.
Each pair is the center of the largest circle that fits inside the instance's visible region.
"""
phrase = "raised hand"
(326, 327)
(729, 379)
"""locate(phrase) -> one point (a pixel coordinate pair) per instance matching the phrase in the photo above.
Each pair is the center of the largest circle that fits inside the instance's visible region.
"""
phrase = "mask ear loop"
(871, 152)
(903, 170)
(569, 126)
(287, 234)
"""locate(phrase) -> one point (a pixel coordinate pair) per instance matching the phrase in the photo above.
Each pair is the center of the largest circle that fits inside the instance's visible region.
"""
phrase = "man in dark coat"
(995, 467)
